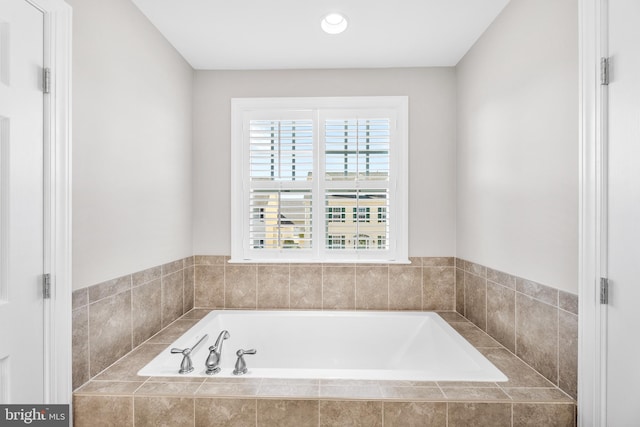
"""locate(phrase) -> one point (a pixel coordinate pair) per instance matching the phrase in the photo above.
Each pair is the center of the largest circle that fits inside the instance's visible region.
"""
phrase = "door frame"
(57, 200)
(592, 327)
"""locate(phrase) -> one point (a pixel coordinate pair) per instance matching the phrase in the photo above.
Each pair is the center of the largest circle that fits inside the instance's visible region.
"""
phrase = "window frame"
(321, 109)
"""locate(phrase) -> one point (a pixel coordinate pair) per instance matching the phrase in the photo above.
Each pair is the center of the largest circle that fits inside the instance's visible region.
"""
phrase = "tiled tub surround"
(425, 284)
(112, 318)
(538, 323)
(118, 397)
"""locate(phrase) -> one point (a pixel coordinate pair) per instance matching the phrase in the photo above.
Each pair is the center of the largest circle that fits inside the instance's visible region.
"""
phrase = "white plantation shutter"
(323, 180)
(280, 150)
(357, 158)
(281, 153)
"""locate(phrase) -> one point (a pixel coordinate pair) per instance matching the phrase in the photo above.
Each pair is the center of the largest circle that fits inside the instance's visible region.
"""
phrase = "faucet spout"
(223, 336)
(215, 354)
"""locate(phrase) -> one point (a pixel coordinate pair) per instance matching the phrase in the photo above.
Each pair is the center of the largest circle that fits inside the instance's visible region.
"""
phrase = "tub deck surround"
(538, 323)
(367, 345)
(118, 396)
(114, 317)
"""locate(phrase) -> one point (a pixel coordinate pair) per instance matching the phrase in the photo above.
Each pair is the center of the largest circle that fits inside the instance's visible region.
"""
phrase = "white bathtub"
(418, 346)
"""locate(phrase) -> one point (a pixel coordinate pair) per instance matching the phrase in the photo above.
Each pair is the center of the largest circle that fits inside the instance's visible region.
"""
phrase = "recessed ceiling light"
(334, 23)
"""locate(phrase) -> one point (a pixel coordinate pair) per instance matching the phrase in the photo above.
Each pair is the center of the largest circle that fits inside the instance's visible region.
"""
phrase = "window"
(362, 214)
(336, 242)
(337, 214)
(314, 179)
(382, 214)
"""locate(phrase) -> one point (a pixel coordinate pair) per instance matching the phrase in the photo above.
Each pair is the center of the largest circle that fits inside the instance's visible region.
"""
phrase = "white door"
(21, 203)
(623, 311)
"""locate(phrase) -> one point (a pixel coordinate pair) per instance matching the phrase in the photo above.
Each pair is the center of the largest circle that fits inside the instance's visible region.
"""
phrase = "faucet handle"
(241, 365)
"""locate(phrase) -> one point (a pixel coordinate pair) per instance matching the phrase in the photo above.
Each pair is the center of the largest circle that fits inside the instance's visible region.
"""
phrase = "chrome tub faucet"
(215, 354)
(187, 366)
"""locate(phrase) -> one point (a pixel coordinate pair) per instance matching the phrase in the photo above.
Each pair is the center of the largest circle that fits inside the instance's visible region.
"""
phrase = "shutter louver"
(356, 196)
(280, 172)
(357, 149)
(280, 150)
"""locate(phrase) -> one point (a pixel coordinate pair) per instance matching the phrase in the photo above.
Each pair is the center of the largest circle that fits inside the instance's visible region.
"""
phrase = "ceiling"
(286, 34)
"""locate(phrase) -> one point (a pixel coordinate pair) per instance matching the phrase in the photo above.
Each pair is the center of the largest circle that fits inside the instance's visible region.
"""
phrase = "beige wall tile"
(174, 331)
(568, 353)
(537, 335)
(109, 331)
(291, 391)
(146, 311)
(372, 288)
(80, 346)
(169, 388)
(501, 278)
(209, 260)
(415, 261)
(144, 276)
(438, 262)
(460, 291)
(159, 411)
(350, 413)
(196, 313)
(452, 317)
(536, 290)
(287, 413)
(172, 267)
(218, 389)
(189, 288)
(479, 414)
(405, 287)
(537, 394)
(240, 286)
(126, 369)
(273, 286)
(189, 261)
(210, 412)
(351, 391)
(338, 288)
(79, 298)
(474, 335)
(209, 286)
(110, 387)
(305, 290)
(415, 414)
(475, 295)
(540, 414)
(172, 297)
(568, 302)
(411, 393)
(475, 393)
(477, 269)
(109, 288)
(518, 372)
(438, 288)
(501, 314)
(102, 411)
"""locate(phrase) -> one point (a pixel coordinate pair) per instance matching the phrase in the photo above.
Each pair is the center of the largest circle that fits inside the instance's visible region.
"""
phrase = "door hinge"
(604, 71)
(604, 290)
(46, 80)
(46, 286)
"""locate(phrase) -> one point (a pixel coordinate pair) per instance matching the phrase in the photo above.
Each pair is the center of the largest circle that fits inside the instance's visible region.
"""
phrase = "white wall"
(432, 129)
(517, 156)
(131, 144)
